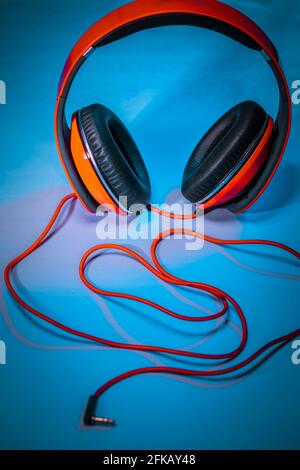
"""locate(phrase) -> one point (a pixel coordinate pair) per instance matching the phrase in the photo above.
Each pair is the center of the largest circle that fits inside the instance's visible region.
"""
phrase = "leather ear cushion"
(116, 154)
(234, 136)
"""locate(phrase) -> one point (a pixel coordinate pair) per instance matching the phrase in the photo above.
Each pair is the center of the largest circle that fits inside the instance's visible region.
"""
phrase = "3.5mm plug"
(90, 418)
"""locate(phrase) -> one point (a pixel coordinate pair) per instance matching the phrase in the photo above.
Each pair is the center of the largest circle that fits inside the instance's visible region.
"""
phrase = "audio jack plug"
(90, 418)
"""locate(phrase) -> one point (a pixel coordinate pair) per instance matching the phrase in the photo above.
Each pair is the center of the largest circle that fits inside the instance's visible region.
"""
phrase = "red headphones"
(231, 165)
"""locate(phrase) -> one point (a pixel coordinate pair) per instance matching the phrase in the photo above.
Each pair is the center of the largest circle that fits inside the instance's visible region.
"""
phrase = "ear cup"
(116, 154)
(228, 143)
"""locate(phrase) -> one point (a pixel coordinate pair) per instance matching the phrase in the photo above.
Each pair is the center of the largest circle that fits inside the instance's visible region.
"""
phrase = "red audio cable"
(156, 269)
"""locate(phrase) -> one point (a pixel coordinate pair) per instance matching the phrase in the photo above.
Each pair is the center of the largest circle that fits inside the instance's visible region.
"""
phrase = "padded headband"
(139, 15)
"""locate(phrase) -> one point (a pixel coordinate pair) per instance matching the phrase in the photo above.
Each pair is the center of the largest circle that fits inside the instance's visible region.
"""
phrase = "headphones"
(231, 165)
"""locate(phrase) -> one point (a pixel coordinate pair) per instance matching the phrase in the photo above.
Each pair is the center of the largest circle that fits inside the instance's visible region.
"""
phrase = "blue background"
(168, 85)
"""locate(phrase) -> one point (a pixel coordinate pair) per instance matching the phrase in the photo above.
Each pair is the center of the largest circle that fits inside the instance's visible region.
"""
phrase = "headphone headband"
(139, 15)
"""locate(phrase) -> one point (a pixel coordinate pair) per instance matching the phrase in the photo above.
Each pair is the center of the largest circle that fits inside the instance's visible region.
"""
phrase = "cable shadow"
(158, 322)
(47, 328)
(65, 215)
(258, 254)
(253, 368)
(249, 268)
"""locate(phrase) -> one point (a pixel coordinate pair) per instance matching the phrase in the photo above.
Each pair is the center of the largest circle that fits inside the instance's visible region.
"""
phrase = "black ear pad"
(116, 154)
(223, 147)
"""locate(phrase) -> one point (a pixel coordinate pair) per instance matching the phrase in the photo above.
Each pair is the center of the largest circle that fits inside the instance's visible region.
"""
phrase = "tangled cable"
(157, 269)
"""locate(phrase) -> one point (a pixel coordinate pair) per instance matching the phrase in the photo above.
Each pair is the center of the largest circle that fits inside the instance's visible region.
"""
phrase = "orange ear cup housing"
(227, 160)
(247, 174)
(89, 177)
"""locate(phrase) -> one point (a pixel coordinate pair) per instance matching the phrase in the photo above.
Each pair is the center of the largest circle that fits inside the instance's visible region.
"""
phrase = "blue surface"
(168, 85)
